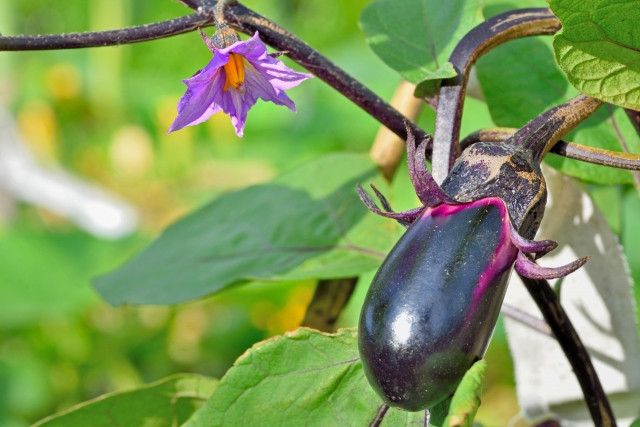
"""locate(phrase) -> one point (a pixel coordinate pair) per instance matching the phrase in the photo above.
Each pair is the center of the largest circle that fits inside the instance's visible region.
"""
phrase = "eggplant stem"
(568, 149)
(480, 40)
(539, 135)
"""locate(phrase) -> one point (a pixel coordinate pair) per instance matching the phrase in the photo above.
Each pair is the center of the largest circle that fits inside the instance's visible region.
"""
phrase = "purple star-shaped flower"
(233, 81)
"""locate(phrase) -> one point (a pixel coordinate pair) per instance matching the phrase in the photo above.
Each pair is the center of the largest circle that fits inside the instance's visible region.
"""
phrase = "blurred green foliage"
(102, 114)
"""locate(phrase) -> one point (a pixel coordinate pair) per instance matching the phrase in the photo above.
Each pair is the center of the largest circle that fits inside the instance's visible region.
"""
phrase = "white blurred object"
(90, 207)
(599, 301)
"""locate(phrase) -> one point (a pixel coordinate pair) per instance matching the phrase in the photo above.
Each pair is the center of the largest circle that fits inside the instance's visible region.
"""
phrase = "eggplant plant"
(433, 304)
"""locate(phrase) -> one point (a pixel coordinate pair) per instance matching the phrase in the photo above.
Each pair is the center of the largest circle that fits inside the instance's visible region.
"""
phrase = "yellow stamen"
(235, 71)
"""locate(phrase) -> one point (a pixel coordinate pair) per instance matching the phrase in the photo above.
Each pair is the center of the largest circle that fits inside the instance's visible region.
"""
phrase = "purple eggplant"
(420, 338)
(432, 307)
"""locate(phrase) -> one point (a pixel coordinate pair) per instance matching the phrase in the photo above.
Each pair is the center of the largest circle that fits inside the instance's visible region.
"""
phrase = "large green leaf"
(302, 378)
(599, 48)
(521, 79)
(168, 402)
(416, 37)
(308, 223)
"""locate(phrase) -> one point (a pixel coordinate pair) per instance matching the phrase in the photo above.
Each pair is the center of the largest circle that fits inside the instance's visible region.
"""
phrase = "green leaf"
(416, 37)
(599, 48)
(466, 400)
(430, 85)
(308, 223)
(519, 87)
(168, 402)
(302, 378)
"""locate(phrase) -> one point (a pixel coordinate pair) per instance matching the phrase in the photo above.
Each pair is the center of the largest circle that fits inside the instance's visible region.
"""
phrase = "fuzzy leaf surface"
(307, 223)
(302, 378)
(599, 48)
(168, 402)
(532, 83)
(416, 37)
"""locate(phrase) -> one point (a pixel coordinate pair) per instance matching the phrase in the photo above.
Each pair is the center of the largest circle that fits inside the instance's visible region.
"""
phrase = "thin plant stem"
(135, 34)
(526, 319)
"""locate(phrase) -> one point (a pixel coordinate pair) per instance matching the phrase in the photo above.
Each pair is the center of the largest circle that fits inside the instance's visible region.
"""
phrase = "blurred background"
(92, 124)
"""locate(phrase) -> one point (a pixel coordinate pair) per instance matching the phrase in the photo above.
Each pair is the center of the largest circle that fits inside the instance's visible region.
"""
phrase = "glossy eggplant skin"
(433, 304)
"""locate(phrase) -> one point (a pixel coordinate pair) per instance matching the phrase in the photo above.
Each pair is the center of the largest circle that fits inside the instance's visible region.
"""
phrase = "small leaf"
(302, 378)
(430, 85)
(416, 37)
(168, 402)
(466, 400)
(599, 48)
(308, 223)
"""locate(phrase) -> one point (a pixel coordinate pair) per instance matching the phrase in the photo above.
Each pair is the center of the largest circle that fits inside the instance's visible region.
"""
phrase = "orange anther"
(235, 71)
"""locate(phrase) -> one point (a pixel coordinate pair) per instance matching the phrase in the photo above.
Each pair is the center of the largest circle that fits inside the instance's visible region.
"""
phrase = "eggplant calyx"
(405, 218)
(528, 268)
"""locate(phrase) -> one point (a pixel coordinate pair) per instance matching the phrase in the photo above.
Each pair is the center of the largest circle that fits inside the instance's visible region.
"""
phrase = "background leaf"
(309, 223)
(531, 83)
(302, 378)
(599, 48)
(168, 402)
(416, 37)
